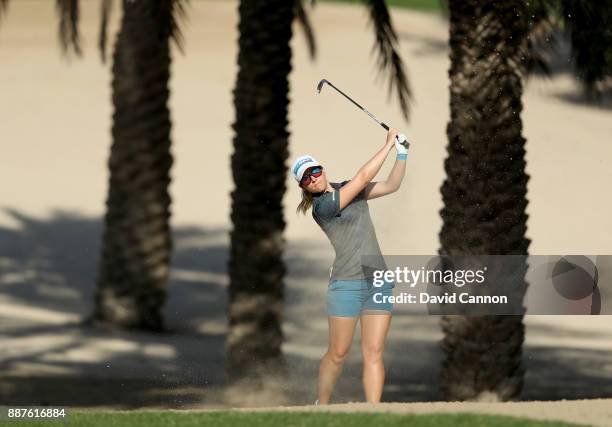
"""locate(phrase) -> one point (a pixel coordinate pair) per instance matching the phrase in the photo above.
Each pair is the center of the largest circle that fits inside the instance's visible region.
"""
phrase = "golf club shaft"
(320, 86)
(359, 106)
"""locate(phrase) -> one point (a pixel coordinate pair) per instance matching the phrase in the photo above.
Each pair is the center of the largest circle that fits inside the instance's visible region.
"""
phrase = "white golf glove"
(401, 144)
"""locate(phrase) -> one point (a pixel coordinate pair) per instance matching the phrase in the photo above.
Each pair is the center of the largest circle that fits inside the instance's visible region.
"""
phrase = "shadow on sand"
(47, 357)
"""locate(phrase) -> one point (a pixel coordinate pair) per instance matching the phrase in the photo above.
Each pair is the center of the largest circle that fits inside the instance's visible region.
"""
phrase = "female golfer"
(341, 210)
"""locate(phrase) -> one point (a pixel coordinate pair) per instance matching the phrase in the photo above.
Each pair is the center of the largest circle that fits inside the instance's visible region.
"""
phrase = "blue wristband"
(402, 156)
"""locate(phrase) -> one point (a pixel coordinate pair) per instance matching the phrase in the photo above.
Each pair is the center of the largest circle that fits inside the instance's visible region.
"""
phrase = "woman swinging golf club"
(341, 210)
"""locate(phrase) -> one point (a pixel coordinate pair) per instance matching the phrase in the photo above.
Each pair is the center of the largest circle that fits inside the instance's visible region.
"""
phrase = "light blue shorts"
(351, 298)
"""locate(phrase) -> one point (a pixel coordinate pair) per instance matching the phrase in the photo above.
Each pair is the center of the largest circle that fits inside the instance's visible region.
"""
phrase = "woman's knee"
(338, 355)
(372, 353)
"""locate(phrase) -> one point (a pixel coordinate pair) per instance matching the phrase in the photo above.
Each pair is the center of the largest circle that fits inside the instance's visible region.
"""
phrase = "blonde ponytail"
(306, 202)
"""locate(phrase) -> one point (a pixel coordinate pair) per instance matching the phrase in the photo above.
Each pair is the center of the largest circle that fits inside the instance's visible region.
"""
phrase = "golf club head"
(320, 85)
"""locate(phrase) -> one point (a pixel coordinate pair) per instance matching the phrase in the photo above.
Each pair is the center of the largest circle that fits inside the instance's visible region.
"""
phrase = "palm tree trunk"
(484, 193)
(134, 267)
(256, 267)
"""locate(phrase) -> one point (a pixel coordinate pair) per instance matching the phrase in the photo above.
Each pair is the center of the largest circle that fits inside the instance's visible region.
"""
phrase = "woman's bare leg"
(374, 328)
(341, 331)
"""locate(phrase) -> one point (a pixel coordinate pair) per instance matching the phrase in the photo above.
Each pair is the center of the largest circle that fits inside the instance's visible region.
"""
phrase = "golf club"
(385, 126)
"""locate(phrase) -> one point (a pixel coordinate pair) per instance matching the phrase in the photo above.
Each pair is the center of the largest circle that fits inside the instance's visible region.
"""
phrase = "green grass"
(425, 5)
(281, 419)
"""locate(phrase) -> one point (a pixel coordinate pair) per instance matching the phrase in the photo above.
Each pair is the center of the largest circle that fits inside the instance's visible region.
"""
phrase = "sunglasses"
(306, 179)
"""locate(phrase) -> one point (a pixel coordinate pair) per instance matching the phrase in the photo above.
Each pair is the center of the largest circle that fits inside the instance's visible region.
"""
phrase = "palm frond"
(302, 17)
(104, 17)
(541, 42)
(388, 59)
(68, 11)
(176, 13)
(3, 7)
(590, 27)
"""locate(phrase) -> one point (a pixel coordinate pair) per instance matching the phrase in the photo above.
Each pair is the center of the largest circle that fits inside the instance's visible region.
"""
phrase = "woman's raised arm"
(367, 172)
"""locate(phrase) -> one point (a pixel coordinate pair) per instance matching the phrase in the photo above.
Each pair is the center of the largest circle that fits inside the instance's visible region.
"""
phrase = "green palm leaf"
(388, 59)
(68, 11)
(302, 17)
